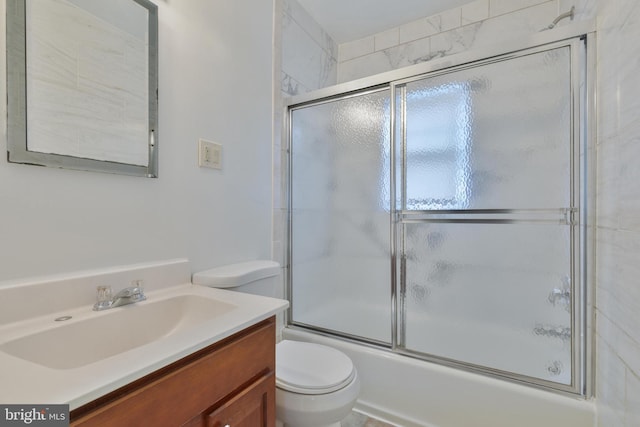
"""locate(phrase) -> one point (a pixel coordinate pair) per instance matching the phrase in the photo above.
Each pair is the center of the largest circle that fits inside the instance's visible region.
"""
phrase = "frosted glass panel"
(490, 284)
(488, 251)
(490, 137)
(340, 216)
(491, 295)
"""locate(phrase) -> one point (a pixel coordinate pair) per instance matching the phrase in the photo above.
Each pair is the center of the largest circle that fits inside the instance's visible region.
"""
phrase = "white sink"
(96, 352)
(104, 334)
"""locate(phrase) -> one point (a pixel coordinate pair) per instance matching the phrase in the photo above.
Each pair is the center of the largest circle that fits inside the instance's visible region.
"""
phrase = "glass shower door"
(339, 215)
(448, 215)
(486, 224)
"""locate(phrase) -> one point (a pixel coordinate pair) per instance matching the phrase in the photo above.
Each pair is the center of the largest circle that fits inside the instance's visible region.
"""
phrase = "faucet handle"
(103, 298)
(103, 293)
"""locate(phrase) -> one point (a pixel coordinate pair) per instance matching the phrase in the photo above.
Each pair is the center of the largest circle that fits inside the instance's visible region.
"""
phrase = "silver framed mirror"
(82, 85)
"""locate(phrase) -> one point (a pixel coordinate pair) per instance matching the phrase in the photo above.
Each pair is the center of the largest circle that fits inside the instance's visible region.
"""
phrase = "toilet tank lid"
(232, 275)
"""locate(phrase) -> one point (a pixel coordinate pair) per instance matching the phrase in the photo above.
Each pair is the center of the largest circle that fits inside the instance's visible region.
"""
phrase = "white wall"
(216, 83)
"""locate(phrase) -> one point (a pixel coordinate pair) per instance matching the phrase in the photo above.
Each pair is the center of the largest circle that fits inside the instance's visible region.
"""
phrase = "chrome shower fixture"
(570, 14)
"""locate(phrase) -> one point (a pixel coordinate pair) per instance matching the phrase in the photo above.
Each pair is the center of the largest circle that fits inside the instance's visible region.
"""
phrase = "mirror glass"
(82, 84)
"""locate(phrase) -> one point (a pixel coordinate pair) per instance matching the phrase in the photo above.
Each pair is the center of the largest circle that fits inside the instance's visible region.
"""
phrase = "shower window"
(443, 215)
(438, 155)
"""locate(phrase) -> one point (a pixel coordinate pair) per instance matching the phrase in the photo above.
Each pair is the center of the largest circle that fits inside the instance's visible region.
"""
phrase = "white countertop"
(24, 382)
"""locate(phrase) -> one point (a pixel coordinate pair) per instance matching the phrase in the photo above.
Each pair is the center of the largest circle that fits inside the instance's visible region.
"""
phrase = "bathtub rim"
(570, 401)
(565, 390)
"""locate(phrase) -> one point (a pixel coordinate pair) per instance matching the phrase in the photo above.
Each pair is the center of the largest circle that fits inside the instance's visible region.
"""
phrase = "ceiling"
(348, 20)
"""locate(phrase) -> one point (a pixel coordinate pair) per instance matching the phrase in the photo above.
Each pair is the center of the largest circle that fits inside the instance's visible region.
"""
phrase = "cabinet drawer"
(175, 394)
(252, 407)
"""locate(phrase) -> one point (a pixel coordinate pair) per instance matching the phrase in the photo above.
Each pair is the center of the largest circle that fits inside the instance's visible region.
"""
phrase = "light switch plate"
(209, 154)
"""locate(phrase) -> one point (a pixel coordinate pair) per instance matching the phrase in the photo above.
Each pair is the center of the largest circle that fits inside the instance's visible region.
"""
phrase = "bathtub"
(414, 393)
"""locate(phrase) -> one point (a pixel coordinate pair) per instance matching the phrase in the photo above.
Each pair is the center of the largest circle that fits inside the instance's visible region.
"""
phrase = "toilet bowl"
(316, 385)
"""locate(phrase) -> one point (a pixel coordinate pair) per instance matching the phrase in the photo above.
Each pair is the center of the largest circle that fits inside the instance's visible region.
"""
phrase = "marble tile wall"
(618, 217)
(306, 60)
(473, 25)
(618, 150)
(309, 55)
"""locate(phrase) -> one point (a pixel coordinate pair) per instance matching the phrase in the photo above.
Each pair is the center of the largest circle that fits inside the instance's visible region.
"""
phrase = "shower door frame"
(581, 38)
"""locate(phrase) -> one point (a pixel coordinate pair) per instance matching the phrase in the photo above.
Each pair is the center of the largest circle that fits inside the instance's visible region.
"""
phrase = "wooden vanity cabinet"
(249, 408)
(230, 383)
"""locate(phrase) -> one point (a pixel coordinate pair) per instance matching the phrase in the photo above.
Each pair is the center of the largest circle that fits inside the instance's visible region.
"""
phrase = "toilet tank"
(260, 277)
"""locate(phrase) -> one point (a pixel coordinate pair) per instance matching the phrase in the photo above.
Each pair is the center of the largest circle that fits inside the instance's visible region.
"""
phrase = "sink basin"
(105, 334)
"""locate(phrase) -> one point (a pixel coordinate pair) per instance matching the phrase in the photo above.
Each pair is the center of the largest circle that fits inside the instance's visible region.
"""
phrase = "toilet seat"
(308, 368)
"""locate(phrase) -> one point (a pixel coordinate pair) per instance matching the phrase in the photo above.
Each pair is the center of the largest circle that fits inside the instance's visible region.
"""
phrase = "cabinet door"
(252, 407)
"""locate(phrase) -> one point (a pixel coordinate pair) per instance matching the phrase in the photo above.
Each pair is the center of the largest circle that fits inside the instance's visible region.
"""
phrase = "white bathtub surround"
(44, 299)
(475, 11)
(618, 246)
(411, 393)
(476, 24)
(308, 52)
(305, 60)
(618, 209)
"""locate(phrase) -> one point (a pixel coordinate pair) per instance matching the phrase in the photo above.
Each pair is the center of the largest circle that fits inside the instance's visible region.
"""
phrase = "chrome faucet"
(130, 295)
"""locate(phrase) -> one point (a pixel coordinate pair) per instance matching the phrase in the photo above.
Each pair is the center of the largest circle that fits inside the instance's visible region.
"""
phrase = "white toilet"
(316, 385)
